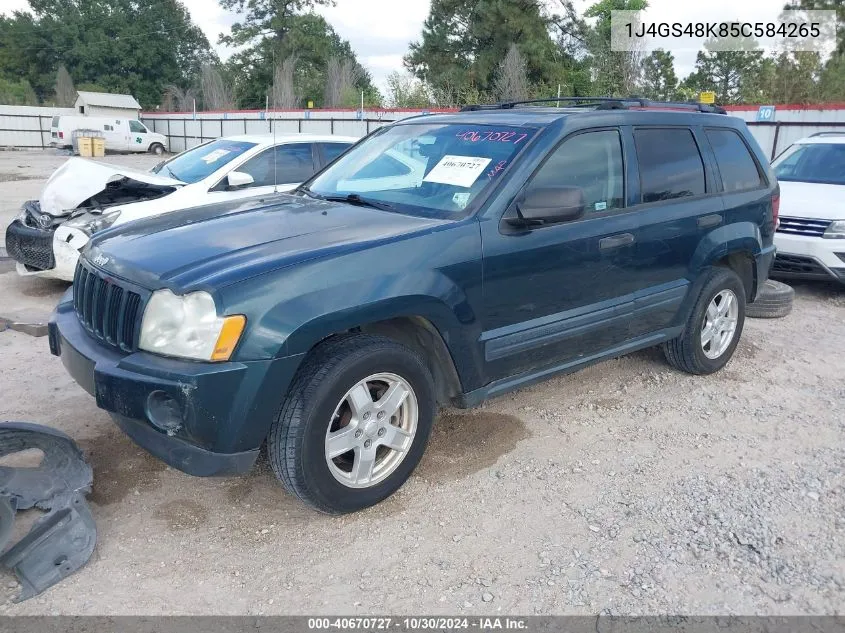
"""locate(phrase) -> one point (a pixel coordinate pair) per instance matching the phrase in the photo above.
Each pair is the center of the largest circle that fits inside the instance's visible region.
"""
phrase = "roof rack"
(604, 103)
(828, 133)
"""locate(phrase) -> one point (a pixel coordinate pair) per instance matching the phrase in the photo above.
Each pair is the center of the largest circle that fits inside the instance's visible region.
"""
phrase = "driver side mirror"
(548, 205)
(238, 180)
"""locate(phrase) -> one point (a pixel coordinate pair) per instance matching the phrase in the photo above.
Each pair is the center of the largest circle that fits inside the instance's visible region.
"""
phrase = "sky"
(381, 30)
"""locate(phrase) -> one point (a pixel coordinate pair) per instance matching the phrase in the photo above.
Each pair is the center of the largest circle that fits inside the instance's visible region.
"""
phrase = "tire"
(688, 352)
(157, 149)
(320, 402)
(773, 301)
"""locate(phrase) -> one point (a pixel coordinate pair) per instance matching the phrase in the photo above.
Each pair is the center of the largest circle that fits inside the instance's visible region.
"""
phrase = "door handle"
(609, 243)
(708, 221)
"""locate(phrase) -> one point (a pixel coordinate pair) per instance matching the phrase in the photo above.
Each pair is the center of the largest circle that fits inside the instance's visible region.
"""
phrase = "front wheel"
(157, 149)
(355, 423)
(714, 326)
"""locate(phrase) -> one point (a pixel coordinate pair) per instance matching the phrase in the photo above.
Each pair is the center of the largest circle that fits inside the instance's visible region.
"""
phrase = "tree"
(463, 43)
(511, 82)
(658, 75)
(65, 92)
(341, 78)
(128, 46)
(725, 72)
(262, 18)
(17, 93)
(284, 92)
(406, 91)
(824, 5)
(306, 36)
(615, 73)
(177, 99)
(216, 91)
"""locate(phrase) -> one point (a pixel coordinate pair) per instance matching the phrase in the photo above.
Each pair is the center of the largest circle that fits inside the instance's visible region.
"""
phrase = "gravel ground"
(626, 488)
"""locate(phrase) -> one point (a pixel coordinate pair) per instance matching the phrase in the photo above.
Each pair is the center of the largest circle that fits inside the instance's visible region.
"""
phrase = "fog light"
(164, 412)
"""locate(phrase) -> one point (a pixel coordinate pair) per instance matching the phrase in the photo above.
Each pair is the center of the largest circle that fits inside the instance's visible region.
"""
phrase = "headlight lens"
(188, 326)
(836, 230)
(90, 223)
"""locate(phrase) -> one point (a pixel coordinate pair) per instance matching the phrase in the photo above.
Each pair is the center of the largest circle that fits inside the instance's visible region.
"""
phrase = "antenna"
(273, 129)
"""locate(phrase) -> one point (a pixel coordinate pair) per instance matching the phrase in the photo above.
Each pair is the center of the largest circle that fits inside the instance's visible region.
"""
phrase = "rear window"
(822, 163)
(736, 165)
(670, 164)
(203, 160)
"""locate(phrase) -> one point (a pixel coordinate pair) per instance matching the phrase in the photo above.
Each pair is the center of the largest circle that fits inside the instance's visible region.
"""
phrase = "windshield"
(202, 161)
(433, 170)
(812, 162)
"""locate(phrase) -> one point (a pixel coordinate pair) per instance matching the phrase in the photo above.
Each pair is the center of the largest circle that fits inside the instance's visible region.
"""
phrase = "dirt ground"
(626, 488)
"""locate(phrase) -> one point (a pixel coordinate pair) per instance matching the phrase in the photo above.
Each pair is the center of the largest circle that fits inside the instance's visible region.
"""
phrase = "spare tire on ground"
(773, 301)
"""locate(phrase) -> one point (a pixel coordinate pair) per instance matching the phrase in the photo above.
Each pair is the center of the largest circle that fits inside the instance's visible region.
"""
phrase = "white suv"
(811, 236)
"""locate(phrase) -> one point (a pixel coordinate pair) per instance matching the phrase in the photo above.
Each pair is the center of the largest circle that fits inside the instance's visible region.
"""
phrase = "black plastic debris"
(61, 541)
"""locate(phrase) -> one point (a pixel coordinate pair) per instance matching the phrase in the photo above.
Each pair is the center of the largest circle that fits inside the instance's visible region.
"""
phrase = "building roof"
(108, 100)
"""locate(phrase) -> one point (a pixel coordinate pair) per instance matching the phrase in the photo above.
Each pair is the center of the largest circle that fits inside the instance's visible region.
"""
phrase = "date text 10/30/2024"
(418, 624)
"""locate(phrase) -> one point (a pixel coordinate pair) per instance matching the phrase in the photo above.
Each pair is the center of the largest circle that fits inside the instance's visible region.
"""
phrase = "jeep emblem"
(100, 260)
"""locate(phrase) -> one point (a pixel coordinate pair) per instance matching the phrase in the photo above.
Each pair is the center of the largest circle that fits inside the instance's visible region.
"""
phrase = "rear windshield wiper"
(354, 198)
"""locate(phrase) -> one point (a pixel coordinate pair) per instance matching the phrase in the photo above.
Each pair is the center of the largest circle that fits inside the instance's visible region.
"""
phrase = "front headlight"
(188, 326)
(90, 223)
(836, 230)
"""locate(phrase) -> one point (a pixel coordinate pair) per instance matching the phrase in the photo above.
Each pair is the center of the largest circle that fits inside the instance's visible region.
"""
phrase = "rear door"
(115, 134)
(675, 200)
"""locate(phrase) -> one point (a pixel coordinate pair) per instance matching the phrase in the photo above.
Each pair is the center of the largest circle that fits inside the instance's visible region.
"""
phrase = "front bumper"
(809, 257)
(44, 251)
(224, 410)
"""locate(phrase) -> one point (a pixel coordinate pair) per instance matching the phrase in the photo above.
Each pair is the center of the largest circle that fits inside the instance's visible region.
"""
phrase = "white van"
(122, 135)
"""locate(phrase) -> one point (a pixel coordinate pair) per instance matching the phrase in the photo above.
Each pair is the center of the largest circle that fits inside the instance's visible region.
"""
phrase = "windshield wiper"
(354, 198)
(309, 193)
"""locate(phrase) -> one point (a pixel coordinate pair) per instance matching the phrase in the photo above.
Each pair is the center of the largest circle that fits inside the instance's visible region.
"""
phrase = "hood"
(812, 200)
(79, 180)
(215, 245)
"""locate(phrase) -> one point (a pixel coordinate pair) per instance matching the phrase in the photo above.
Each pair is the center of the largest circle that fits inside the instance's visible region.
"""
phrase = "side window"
(333, 150)
(591, 161)
(293, 163)
(736, 165)
(670, 164)
(108, 128)
(136, 127)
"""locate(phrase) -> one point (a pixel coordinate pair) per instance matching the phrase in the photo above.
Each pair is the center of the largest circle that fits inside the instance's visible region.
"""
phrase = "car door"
(139, 139)
(675, 202)
(280, 169)
(114, 135)
(558, 293)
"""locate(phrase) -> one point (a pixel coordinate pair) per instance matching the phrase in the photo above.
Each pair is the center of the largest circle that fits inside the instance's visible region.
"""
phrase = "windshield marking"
(493, 136)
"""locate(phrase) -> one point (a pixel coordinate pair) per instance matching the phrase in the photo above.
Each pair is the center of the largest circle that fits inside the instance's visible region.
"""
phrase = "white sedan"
(83, 196)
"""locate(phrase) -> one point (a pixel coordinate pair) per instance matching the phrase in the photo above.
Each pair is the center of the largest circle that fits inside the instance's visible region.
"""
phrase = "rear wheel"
(714, 326)
(355, 423)
(157, 149)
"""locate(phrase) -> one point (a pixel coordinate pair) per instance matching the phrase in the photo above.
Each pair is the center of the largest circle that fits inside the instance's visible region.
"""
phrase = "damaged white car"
(84, 196)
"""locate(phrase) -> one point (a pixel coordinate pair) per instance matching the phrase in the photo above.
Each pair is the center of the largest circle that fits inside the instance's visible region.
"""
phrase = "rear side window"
(670, 164)
(736, 165)
(333, 150)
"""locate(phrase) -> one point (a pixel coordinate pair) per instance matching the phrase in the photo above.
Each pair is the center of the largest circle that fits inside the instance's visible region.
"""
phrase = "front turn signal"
(230, 334)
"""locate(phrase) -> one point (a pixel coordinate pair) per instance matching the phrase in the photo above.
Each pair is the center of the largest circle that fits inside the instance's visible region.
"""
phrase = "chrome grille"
(108, 311)
(803, 226)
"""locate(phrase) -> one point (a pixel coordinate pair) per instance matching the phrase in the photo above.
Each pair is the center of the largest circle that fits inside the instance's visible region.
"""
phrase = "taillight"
(61, 134)
(776, 209)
